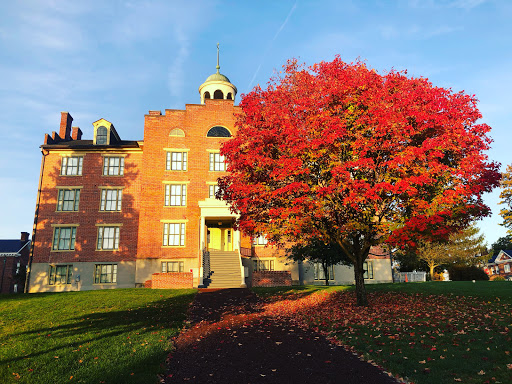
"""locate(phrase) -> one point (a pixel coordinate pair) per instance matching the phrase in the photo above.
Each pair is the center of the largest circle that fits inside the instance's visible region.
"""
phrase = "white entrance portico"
(218, 239)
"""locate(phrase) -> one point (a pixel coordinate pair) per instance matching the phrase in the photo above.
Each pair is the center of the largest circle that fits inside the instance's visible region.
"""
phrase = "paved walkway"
(231, 341)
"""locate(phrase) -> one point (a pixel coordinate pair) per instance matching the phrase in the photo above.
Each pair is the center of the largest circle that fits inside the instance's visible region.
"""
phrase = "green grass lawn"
(108, 336)
(435, 332)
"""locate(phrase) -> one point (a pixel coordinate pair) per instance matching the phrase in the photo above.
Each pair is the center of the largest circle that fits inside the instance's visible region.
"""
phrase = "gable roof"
(12, 246)
(501, 257)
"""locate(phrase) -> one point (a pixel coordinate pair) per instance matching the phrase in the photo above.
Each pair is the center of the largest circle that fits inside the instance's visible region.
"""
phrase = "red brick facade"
(171, 280)
(88, 216)
(271, 278)
(14, 255)
(195, 122)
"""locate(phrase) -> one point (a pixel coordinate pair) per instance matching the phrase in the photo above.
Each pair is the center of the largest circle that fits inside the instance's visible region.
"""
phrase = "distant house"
(13, 263)
(501, 265)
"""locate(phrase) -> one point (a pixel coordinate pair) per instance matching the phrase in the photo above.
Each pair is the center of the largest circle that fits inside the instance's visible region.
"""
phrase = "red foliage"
(392, 152)
(340, 152)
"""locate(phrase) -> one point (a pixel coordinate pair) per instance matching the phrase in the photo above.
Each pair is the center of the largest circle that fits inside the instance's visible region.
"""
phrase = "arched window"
(176, 132)
(229, 97)
(101, 135)
(218, 94)
(218, 131)
(207, 95)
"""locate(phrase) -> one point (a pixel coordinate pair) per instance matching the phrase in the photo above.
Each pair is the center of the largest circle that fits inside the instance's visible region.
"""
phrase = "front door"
(220, 239)
(215, 239)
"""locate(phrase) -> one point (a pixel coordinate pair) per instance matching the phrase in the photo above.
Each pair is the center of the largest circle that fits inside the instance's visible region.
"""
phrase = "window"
(320, 273)
(111, 199)
(113, 166)
(263, 265)
(176, 161)
(60, 274)
(108, 238)
(217, 162)
(101, 135)
(172, 266)
(212, 191)
(174, 234)
(71, 166)
(218, 131)
(175, 195)
(105, 274)
(260, 240)
(68, 199)
(506, 268)
(218, 94)
(64, 238)
(368, 270)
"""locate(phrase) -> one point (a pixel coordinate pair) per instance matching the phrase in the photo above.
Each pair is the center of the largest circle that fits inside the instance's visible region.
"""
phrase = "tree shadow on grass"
(110, 346)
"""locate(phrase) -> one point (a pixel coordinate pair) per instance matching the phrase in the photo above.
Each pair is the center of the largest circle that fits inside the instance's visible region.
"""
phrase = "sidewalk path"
(231, 341)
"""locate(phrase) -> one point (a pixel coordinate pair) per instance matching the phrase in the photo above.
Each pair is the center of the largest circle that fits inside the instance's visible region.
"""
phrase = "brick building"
(14, 256)
(113, 213)
(500, 265)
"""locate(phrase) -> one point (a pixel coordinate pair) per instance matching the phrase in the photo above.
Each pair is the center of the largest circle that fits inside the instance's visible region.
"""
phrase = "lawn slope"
(108, 336)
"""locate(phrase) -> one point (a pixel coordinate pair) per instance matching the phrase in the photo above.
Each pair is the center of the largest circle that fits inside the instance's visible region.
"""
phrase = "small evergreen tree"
(316, 251)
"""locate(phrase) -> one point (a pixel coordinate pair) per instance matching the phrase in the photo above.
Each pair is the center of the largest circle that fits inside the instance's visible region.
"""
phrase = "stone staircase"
(224, 270)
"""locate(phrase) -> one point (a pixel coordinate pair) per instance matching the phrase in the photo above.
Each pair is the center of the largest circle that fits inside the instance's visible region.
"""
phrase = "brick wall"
(271, 278)
(89, 213)
(7, 269)
(171, 280)
(195, 121)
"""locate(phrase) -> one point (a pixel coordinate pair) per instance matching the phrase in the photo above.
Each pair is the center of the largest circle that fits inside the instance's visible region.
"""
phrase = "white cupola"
(217, 86)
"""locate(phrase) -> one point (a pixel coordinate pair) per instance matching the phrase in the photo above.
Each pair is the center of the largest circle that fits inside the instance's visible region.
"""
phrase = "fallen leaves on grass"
(429, 328)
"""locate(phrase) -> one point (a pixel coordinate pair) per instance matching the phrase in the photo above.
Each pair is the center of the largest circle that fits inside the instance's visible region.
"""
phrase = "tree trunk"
(432, 272)
(326, 273)
(362, 300)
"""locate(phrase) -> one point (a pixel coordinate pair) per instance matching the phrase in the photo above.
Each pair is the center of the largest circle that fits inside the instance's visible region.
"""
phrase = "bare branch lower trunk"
(325, 266)
(362, 299)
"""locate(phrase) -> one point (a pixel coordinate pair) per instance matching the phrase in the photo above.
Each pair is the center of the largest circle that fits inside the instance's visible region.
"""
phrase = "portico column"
(236, 240)
(201, 248)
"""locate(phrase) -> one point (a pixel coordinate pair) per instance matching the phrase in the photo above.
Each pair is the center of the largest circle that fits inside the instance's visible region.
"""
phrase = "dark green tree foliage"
(409, 261)
(466, 273)
(503, 243)
(317, 251)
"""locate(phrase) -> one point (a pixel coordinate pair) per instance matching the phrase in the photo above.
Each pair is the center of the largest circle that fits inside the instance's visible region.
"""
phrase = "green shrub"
(498, 278)
(465, 273)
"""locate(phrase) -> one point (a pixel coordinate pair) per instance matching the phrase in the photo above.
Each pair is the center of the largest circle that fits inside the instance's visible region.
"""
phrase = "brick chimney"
(65, 126)
(24, 236)
(76, 133)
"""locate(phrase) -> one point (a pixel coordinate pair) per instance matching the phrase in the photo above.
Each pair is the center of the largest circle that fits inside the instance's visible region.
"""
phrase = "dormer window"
(101, 136)
(105, 133)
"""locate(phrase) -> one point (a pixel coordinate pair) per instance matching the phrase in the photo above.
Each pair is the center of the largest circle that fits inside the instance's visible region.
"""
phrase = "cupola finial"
(218, 66)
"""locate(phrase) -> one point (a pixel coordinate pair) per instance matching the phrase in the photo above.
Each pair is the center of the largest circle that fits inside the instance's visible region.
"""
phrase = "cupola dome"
(217, 86)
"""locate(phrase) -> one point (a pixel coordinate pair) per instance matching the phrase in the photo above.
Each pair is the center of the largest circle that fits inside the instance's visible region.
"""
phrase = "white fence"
(403, 277)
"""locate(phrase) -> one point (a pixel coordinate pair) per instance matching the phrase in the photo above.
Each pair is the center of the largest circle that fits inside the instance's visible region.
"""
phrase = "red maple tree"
(341, 153)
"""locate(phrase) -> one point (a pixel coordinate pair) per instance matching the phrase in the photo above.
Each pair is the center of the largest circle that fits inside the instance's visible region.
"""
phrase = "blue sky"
(119, 59)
